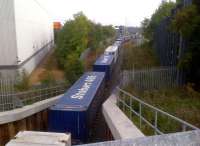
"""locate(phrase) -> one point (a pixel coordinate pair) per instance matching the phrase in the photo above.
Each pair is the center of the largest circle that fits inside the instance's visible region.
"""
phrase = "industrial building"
(26, 35)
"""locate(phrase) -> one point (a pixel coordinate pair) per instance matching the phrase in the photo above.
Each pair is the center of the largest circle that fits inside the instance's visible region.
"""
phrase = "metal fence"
(7, 85)
(170, 46)
(150, 118)
(13, 100)
(153, 78)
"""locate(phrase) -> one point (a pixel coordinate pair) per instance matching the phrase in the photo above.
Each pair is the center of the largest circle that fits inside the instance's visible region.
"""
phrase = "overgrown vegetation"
(183, 102)
(77, 35)
(180, 102)
(48, 78)
(187, 24)
(23, 83)
(138, 57)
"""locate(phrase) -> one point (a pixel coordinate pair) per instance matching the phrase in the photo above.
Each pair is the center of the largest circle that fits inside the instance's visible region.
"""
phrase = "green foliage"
(180, 102)
(73, 68)
(99, 33)
(77, 35)
(186, 21)
(187, 24)
(149, 25)
(138, 57)
(23, 84)
(72, 38)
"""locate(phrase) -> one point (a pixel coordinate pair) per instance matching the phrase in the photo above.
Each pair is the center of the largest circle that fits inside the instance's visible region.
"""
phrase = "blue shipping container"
(76, 110)
(104, 64)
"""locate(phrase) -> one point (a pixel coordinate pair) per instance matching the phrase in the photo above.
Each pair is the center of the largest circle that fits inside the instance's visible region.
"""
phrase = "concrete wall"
(191, 138)
(31, 63)
(32, 117)
(26, 35)
(34, 28)
(119, 124)
(8, 48)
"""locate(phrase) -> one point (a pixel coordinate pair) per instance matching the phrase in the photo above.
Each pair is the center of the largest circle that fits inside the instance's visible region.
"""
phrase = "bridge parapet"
(119, 124)
(191, 138)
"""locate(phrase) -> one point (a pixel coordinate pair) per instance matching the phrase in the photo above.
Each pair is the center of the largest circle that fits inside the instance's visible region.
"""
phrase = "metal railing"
(127, 101)
(10, 101)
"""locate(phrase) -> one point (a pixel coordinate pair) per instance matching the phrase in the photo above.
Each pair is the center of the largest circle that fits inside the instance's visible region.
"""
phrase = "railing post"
(183, 127)
(118, 100)
(130, 105)
(140, 111)
(156, 122)
(123, 96)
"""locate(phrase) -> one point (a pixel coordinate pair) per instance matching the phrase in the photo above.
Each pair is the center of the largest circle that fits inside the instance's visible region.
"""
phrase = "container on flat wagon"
(32, 138)
(119, 39)
(76, 110)
(104, 64)
(117, 43)
(112, 50)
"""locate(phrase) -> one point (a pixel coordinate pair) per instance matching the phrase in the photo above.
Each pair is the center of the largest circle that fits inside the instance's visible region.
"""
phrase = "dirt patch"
(49, 64)
(91, 58)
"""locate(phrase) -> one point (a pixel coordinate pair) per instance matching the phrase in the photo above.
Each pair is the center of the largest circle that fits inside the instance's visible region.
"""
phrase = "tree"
(187, 24)
(162, 12)
(73, 68)
(73, 37)
(77, 35)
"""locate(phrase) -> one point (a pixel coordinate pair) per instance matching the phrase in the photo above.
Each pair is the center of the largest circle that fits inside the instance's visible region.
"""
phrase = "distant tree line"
(77, 35)
(149, 25)
(186, 23)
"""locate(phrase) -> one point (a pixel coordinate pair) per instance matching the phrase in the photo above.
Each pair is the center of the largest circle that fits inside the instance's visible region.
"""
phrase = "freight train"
(76, 110)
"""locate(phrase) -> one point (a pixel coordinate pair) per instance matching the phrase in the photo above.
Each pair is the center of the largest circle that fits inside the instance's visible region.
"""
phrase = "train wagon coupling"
(104, 63)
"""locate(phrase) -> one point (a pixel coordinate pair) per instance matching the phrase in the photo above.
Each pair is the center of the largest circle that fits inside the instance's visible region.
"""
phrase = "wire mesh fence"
(11, 99)
(153, 78)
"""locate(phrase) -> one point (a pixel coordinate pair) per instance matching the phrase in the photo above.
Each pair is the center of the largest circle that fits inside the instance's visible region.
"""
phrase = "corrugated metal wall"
(8, 52)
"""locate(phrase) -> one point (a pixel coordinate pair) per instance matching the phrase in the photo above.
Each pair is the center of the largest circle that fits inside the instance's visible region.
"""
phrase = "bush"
(73, 68)
(23, 83)
(79, 34)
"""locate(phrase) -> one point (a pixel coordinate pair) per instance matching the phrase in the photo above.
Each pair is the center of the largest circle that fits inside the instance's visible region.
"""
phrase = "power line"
(38, 3)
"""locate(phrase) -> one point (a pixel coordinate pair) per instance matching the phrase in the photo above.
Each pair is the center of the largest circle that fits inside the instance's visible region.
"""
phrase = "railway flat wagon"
(76, 110)
(104, 63)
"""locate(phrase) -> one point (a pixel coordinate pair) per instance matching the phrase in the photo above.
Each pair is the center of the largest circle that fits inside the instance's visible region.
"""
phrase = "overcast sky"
(115, 12)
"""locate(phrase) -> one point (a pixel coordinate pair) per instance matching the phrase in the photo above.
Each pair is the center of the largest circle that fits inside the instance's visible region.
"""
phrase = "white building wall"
(26, 35)
(8, 50)
(34, 30)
